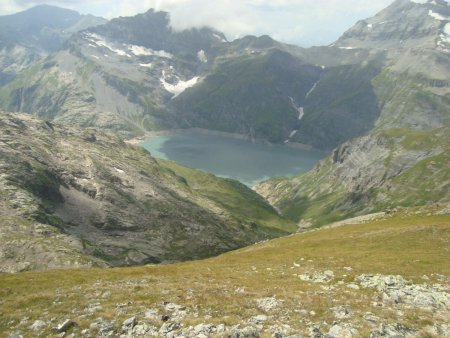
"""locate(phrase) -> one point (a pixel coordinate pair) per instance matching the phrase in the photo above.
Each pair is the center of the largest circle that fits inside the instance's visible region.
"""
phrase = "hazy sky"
(301, 22)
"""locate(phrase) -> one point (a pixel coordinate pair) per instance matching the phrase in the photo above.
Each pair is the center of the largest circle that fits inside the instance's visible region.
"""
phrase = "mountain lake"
(232, 157)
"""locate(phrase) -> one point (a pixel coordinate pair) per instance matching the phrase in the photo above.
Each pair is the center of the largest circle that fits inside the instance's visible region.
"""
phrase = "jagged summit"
(404, 24)
(152, 29)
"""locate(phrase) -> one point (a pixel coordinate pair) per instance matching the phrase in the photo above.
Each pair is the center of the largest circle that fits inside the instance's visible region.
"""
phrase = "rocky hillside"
(395, 167)
(72, 197)
(381, 276)
(28, 36)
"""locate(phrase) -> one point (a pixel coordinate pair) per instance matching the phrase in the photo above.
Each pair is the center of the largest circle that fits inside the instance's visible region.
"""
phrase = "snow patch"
(95, 57)
(96, 40)
(120, 171)
(139, 50)
(437, 16)
(447, 29)
(180, 86)
(101, 42)
(347, 47)
(201, 55)
(369, 26)
(420, 1)
(444, 38)
(146, 65)
(143, 51)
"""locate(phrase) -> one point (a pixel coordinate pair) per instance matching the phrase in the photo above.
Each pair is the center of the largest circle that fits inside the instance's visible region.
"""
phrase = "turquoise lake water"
(234, 158)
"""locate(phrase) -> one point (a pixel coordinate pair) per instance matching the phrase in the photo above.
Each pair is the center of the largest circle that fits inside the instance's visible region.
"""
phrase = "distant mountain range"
(136, 74)
(27, 36)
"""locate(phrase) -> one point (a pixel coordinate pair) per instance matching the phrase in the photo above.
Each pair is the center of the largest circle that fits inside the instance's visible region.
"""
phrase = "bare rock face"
(72, 197)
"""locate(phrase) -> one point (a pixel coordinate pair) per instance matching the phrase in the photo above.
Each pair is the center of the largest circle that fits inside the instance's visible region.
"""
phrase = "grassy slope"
(242, 202)
(410, 243)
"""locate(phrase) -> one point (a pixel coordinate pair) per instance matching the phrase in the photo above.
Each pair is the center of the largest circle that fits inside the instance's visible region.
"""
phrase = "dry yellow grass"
(225, 289)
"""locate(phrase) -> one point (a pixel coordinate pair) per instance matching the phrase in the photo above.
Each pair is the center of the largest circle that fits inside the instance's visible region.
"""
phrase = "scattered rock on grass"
(393, 330)
(258, 320)
(268, 303)
(38, 325)
(342, 331)
(318, 277)
(64, 326)
(395, 289)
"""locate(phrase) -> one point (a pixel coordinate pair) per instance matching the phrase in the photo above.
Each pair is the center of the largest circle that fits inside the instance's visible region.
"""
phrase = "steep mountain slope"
(27, 36)
(403, 160)
(118, 76)
(385, 276)
(71, 197)
(256, 94)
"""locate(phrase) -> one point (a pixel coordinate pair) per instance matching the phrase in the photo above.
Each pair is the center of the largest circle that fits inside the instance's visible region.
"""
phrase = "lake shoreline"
(149, 135)
(230, 155)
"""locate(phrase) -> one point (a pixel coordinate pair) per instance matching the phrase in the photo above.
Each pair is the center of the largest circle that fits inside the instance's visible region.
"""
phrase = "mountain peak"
(429, 2)
(405, 23)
